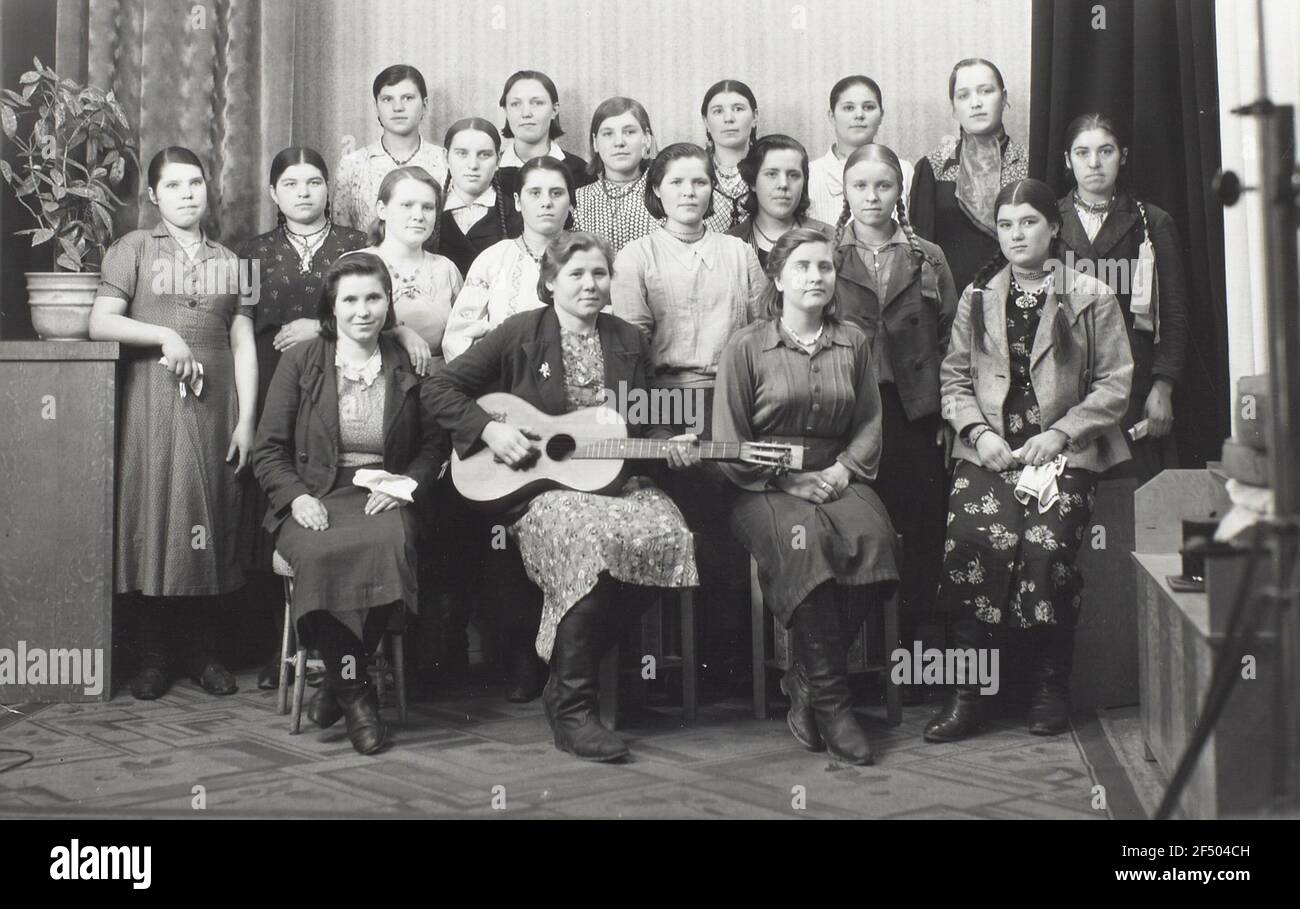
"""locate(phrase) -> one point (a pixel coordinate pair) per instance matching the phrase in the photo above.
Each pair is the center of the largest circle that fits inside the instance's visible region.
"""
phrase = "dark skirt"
(360, 562)
(913, 484)
(800, 546)
(1007, 564)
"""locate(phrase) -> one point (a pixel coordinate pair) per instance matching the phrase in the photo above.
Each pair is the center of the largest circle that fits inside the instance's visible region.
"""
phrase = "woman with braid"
(477, 213)
(424, 284)
(898, 288)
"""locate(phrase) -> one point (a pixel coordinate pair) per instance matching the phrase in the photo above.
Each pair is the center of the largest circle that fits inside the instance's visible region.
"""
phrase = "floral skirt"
(1005, 562)
(567, 539)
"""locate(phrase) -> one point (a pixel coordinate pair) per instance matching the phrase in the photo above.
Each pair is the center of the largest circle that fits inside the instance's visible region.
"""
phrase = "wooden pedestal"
(57, 410)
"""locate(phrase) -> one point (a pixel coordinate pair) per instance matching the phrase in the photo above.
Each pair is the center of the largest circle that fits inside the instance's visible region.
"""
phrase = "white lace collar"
(366, 373)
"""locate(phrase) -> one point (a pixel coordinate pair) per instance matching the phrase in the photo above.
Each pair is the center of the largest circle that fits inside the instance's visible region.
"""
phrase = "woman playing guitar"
(578, 547)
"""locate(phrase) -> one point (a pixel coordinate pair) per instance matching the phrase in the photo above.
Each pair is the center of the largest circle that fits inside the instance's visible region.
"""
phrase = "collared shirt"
(826, 186)
(688, 299)
(510, 158)
(770, 388)
(355, 195)
(467, 214)
(880, 262)
(617, 213)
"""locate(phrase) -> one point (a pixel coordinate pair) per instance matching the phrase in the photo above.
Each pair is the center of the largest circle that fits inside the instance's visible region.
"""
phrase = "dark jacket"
(917, 315)
(1119, 239)
(511, 358)
(744, 229)
(297, 448)
(463, 248)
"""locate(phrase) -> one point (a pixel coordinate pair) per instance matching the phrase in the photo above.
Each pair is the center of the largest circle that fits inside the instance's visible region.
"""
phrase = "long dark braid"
(980, 283)
(841, 222)
(501, 202)
(900, 211)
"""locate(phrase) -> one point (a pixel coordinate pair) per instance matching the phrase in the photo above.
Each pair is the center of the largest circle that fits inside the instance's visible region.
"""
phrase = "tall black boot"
(961, 714)
(202, 624)
(570, 695)
(524, 674)
(1049, 701)
(150, 681)
(821, 648)
(352, 697)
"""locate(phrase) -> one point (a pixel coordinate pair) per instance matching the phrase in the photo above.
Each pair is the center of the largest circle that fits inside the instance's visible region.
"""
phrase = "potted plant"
(73, 144)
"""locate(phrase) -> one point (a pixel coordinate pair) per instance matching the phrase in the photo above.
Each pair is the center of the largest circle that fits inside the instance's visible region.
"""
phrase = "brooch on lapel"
(545, 370)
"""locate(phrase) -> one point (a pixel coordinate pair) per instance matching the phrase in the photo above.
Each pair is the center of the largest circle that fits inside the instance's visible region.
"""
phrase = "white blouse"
(501, 282)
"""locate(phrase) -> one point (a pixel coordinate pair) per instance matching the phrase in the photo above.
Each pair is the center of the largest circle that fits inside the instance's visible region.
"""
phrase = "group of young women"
(956, 390)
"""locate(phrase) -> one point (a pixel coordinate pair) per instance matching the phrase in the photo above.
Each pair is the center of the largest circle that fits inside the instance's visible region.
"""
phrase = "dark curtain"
(1152, 66)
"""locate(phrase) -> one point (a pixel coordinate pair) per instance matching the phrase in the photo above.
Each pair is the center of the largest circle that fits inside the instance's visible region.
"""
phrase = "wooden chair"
(652, 635)
(392, 642)
(868, 654)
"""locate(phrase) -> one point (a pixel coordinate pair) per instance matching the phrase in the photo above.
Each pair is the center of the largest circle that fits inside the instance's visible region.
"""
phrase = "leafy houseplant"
(73, 144)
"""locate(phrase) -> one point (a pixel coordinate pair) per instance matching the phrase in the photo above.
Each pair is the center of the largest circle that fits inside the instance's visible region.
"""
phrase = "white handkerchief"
(195, 384)
(1040, 483)
(396, 485)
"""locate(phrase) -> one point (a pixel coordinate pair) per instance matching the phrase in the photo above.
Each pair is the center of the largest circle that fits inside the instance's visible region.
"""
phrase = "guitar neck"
(652, 449)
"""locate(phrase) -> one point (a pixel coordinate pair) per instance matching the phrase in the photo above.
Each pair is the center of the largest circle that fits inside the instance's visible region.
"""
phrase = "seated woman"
(344, 401)
(802, 375)
(1035, 382)
(574, 545)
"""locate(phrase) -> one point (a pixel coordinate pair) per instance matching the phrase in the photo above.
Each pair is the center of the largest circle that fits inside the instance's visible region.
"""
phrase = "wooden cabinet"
(58, 413)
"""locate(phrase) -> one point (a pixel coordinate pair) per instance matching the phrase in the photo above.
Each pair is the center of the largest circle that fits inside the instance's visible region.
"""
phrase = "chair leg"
(399, 674)
(758, 644)
(381, 665)
(299, 688)
(690, 662)
(609, 664)
(283, 685)
(893, 696)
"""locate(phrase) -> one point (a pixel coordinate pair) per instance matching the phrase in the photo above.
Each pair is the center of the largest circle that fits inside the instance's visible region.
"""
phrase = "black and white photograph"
(651, 409)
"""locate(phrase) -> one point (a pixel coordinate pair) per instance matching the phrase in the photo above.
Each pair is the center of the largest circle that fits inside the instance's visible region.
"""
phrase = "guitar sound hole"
(559, 447)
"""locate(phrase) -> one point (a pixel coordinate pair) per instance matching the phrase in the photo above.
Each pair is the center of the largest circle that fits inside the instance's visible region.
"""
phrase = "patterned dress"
(617, 213)
(728, 200)
(1004, 560)
(178, 502)
(566, 539)
(288, 290)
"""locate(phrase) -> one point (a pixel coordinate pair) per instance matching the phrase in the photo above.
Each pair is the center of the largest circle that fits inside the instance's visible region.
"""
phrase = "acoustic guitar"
(584, 451)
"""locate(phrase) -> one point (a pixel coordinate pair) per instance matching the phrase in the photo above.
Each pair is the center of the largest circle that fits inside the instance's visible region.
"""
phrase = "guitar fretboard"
(653, 448)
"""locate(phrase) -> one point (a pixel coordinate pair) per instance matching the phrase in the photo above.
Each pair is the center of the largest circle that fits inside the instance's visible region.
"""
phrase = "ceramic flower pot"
(61, 302)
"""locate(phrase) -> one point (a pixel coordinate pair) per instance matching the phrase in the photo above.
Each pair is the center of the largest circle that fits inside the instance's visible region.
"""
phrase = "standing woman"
(1035, 386)
(730, 116)
(424, 283)
(955, 185)
(857, 107)
(531, 104)
(1105, 225)
(477, 212)
(291, 263)
(503, 279)
(576, 546)
(173, 291)
(897, 288)
(345, 401)
(401, 101)
(614, 206)
(776, 172)
(801, 375)
(689, 289)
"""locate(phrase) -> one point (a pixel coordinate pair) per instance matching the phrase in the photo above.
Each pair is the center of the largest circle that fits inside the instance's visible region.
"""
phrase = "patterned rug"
(475, 755)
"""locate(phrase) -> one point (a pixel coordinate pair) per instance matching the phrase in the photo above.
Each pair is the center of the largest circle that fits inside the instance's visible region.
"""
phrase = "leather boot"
(800, 718)
(570, 695)
(821, 648)
(524, 678)
(962, 712)
(324, 709)
(151, 679)
(1049, 702)
(366, 728)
